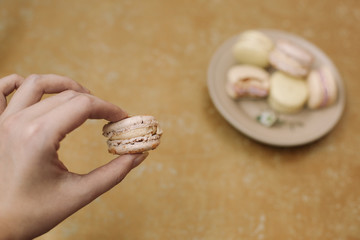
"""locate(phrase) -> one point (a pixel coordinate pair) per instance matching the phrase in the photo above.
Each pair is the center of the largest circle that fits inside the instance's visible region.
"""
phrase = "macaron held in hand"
(135, 134)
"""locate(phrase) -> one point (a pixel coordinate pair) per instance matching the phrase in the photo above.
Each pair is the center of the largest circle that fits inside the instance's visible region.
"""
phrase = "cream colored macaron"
(288, 94)
(253, 47)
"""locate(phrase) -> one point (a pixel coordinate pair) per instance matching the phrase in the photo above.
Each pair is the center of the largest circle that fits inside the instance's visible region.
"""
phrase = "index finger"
(70, 115)
(7, 85)
(35, 86)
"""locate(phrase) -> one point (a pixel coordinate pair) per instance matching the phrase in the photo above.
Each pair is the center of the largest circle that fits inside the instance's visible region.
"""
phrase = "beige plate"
(294, 129)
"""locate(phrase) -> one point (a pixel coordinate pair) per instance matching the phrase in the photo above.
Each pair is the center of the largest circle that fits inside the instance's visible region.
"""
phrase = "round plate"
(295, 129)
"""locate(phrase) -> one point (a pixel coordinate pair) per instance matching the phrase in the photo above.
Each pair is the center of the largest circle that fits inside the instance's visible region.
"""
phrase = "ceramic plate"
(295, 129)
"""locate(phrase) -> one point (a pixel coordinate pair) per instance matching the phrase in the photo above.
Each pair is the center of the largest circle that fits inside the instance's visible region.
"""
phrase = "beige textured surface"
(206, 180)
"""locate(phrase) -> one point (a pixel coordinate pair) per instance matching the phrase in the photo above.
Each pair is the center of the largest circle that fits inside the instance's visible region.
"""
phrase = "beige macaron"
(247, 81)
(288, 94)
(253, 47)
(135, 134)
(322, 88)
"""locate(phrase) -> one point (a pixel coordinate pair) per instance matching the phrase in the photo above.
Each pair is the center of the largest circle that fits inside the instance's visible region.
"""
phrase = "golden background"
(206, 180)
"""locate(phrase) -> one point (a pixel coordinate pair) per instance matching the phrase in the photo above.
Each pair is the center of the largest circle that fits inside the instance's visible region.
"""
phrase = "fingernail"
(139, 159)
(125, 114)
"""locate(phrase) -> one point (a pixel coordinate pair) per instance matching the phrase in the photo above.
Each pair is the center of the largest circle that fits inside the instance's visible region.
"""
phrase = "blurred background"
(206, 180)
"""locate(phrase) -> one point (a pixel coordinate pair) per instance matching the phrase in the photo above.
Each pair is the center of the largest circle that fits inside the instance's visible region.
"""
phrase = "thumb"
(107, 176)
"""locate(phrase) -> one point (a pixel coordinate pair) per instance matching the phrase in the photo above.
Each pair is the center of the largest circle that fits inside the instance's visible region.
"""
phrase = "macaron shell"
(282, 108)
(247, 71)
(281, 61)
(316, 93)
(322, 88)
(230, 90)
(253, 47)
(251, 80)
(249, 55)
(128, 123)
(296, 52)
(287, 93)
(291, 59)
(332, 87)
(259, 38)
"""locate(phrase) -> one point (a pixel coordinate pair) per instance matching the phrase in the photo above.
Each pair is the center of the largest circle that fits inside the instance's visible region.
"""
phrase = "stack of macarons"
(281, 72)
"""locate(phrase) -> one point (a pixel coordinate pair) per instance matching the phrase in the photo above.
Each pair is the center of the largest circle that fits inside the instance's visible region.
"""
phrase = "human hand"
(36, 189)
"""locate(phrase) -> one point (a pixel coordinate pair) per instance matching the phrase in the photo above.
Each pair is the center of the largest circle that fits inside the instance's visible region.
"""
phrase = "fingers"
(71, 114)
(7, 85)
(47, 105)
(102, 179)
(34, 86)
(106, 177)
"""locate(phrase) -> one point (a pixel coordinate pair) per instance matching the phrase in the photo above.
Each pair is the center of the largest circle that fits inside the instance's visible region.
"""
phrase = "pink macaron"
(322, 88)
(135, 134)
(291, 59)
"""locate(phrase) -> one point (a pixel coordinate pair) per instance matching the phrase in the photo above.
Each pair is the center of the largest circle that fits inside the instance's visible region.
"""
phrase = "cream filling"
(150, 130)
(252, 87)
(132, 141)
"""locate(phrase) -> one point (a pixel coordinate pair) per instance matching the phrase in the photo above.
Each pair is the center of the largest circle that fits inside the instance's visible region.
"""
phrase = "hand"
(36, 190)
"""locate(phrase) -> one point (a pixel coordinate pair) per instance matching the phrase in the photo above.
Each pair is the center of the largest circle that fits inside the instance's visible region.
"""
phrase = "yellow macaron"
(288, 94)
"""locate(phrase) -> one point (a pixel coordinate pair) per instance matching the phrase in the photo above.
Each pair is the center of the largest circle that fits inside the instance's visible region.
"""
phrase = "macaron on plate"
(302, 119)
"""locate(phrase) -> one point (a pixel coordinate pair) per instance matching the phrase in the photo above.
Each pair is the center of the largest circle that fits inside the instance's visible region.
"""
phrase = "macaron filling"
(149, 130)
(247, 81)
(133, 141)
(250, 90)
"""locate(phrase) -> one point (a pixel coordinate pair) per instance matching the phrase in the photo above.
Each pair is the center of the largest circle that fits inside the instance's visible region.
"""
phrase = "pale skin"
(37, 190)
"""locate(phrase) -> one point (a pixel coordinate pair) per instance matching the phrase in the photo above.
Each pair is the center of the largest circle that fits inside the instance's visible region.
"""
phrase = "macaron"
(253, 47)
(291, 58)
(322, 88)
(247, 81)
(135, 134)
(288, 94)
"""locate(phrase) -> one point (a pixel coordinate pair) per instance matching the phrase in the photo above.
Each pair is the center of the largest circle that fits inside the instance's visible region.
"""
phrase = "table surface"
(206, 180)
